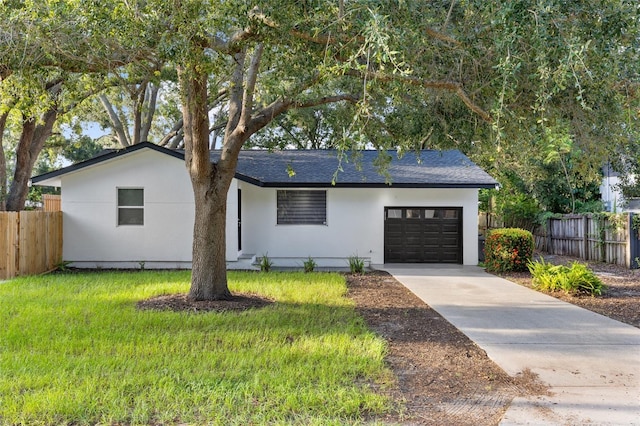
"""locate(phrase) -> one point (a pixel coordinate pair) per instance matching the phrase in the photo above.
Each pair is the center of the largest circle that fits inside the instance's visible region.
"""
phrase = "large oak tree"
(498, 79)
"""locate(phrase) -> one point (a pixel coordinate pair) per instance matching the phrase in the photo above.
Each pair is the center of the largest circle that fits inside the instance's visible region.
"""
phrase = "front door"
(239, 219)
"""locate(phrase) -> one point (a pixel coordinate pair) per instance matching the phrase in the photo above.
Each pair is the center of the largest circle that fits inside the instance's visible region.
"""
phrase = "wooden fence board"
(30, 242)
(583, 236)
(51, 203)
(8, 244)
(54, 240)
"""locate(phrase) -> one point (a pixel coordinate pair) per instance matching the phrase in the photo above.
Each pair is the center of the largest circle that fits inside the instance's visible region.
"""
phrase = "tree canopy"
(519, 86)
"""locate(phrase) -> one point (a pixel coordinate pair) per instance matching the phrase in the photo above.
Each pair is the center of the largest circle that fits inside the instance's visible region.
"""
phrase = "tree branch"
(250, 86)
(333, 39)
(267, 114)
(138, 96)
(123, 137)
(151, 97)
(326, 100)
(193, 83)
(232, 45)
(236, 102)
(450, 86)
(173, 132)
(446, 21)
(3, 161)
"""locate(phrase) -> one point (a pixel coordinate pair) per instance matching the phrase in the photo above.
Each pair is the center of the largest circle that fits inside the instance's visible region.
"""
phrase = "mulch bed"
(442, 376)
(181, 303)
(621, 299)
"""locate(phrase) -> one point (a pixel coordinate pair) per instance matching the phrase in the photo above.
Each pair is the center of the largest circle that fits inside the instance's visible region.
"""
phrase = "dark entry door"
(423, 235)
(239, 219)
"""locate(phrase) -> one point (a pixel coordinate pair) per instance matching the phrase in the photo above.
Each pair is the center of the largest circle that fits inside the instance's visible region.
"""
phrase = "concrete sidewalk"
(590, 362)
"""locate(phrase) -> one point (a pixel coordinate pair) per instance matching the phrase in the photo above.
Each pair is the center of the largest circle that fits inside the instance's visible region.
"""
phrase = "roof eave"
(256, 182)
(44, 179)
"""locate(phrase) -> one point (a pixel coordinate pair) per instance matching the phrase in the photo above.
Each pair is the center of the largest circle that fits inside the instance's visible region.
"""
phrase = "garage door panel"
(449, 258)
(394, 242)
(393, 227)
(433, 227)
(449, 240)
(423, 235)
(413, 227)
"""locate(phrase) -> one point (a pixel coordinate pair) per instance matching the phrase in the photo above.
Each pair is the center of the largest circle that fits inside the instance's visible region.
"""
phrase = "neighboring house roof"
(321, 168)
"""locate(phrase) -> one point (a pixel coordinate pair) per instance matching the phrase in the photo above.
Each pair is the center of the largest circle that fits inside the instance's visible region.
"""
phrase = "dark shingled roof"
(321, 168)
(432, 169)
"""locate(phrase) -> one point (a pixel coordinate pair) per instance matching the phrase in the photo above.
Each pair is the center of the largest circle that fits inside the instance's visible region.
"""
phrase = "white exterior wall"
(91, 235)
(355, 218)
(355, 224)
(611, 196)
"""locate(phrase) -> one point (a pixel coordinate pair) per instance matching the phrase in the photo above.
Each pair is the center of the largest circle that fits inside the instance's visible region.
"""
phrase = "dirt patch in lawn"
(442, 376)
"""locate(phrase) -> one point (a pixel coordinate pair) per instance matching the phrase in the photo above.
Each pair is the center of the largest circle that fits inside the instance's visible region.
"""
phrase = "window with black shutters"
(130, 206)
(302, 207)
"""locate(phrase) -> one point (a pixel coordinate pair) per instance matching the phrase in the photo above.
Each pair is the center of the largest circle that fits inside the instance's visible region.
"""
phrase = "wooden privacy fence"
(30, 242)
(604, 238)
(51, 203)
(488, 221)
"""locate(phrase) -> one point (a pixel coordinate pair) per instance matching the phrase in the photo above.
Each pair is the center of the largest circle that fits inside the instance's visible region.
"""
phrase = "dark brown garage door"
(422, 235)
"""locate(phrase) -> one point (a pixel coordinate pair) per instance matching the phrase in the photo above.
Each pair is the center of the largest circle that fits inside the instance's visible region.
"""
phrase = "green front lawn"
(75, 350)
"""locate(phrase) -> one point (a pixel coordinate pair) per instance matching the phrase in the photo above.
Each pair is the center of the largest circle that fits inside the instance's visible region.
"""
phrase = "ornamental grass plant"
(574, 279)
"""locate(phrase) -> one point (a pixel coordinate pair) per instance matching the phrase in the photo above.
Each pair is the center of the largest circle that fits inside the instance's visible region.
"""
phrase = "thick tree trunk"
(209, 268)
(3, 163)
(210, 185)
(24, 164)
(29, 147)
(211, 182)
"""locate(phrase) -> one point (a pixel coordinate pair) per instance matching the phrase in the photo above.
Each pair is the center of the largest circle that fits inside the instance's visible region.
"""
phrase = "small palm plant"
(309, 264)
(265, 263)
(356, 264)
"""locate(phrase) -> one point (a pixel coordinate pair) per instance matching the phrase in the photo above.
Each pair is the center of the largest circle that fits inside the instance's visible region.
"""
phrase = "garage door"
(423, 235)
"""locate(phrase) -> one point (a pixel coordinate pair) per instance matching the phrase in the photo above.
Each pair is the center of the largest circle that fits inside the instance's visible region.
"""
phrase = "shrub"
(508, 249)
(516, 209)
(356, 264)
(265, 263)
(576, 279)
(309, 264)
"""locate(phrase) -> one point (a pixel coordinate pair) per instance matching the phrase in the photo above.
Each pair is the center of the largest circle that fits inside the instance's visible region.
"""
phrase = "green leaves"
(574, 279)
(508, 249)
(544, 70)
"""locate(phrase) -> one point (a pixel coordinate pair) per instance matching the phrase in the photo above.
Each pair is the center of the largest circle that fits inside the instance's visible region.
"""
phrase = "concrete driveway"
(590, 362)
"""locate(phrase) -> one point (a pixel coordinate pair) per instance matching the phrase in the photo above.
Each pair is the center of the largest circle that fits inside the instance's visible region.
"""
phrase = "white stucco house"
(612, 197)
(136, 205)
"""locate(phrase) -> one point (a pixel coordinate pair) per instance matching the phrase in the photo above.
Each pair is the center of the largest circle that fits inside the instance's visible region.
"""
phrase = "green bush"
(576, 279)
(508, 249)
(265, 263)
(309, 264)
(356, 264)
